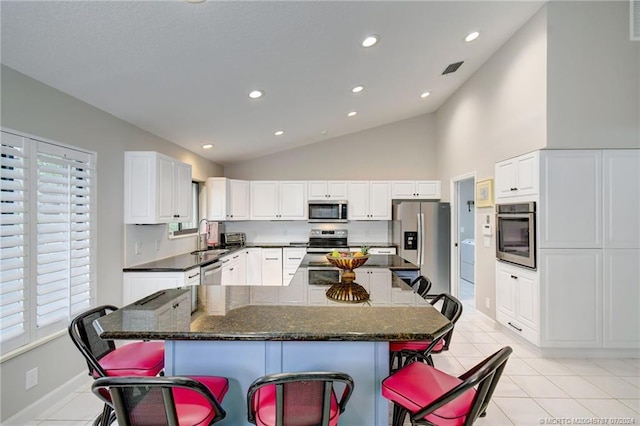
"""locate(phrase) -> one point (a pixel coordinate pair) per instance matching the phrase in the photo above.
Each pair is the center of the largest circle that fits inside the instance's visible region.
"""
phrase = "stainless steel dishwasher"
(211, 274)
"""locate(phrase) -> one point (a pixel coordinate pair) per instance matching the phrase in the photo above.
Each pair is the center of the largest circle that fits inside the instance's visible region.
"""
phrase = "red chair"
(159, 401)
(432, 397)
(105, 360)
(403, 353)
(298, 399)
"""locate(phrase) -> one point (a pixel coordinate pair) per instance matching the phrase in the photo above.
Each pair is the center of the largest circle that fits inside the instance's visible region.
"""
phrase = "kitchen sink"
(209, 251)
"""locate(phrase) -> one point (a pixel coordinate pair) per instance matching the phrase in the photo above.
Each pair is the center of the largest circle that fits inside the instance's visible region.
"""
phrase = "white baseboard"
(31, 412)
(589, 353)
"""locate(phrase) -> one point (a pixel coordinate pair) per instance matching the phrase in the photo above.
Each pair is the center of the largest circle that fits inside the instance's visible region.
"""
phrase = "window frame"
(195, 206)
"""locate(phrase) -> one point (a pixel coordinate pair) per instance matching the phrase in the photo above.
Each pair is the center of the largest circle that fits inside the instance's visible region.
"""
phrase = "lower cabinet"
(517, 305)
(137, 285)
(254, 265)
(376, 282)
(166, 310)
(292, 257)
(234, 268)
(272, 266)
(621, 298)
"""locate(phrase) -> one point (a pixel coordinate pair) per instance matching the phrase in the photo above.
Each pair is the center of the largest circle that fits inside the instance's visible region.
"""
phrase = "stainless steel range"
(326, 241)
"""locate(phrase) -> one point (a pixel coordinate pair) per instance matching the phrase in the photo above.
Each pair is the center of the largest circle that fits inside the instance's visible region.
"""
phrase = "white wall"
(35, 108)
(593, 95)
(500, 112)
(402, 150)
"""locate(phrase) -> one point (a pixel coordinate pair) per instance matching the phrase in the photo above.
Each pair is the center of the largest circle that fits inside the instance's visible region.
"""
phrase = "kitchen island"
(295, 331)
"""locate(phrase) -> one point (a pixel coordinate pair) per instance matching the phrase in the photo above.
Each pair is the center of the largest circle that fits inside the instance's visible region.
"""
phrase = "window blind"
(13, 239)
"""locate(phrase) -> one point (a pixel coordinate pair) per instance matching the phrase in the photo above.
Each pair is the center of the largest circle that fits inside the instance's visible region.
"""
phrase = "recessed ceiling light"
(255, 94)
(472, 36)
(357, 89)
(425, 94)
(323, 132)
(351, 114)
(370, 40)
(207, 146)
(279, 132)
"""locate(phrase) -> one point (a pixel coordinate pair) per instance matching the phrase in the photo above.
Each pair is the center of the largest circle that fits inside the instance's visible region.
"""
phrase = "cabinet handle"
(194, 275)
(517, 328)
(514, 277)
(230, 269)
(226, 260)
(271, 258)
(176, 215)
(514, 189)
(176, 305)
(294, 258)
(235, 257)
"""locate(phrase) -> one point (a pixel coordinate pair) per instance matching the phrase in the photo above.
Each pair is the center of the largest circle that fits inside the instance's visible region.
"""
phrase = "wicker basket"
(348, 262)
(347, 293)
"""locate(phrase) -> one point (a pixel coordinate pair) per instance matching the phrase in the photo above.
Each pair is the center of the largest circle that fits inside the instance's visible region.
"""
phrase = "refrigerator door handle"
(422, 239)
(418, 239)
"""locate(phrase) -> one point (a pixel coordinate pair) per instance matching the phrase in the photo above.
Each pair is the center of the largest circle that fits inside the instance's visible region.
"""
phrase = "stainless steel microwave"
(516, 233)
(327, 211)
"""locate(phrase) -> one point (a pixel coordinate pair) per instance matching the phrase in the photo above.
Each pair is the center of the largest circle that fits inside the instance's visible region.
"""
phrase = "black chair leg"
(399, 414)
(105, 418)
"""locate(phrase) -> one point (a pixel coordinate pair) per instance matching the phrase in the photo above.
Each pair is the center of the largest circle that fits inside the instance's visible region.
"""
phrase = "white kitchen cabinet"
(254, 266)
(157, 189)
(621, 175)
(369, 200)
(621, 298)
(317, 295)
(517, 177)
(295, 294)
(415, 190)
(327, 190)
(570, 209)
(272, 266)
(137, 285)
(278, 200)
(375, 250)
(571, 298)
(292, 257)
(376, 282)
(234, 268)
(162, 312)
(227, 199)
(517, 305)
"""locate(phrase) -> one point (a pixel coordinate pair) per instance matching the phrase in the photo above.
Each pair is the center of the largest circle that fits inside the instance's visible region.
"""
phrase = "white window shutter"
(635, 19)
(13, 239)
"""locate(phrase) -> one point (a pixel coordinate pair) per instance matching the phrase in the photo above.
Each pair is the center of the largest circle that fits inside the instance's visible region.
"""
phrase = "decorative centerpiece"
(347, 290)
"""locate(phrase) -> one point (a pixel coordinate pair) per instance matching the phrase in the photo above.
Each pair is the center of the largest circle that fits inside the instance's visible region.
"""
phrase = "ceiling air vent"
(454, 67)
(635, 19)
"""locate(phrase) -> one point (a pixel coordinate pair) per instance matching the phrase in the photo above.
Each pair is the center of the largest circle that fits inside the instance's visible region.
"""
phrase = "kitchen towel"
(212, 234)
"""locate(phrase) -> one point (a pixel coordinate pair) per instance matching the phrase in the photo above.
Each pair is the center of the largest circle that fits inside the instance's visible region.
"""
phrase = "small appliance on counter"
(234, 239)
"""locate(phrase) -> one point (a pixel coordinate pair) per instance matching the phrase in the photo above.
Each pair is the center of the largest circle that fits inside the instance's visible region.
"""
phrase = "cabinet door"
(621, 169)
(254, 266)
(241, 261)
(238, 196)
(428, 189)
(380, 199)
(295, 294)
(264, 200)
(505, 294)
(183, 194)
(527, 307)
(379, 288)
(217, 198)
(165, 188)
(505, 180)
(317, 190)
(337, 189)
(527, 167)
(293, 200)
(570, 208)
(272, 266)
(358, 208)
(140, 187)
(621, 298)
(403, 189)
(293, 257)
(571, 298)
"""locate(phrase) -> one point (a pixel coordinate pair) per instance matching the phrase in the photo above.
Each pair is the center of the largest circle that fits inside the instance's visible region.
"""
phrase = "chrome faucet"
(206, 232)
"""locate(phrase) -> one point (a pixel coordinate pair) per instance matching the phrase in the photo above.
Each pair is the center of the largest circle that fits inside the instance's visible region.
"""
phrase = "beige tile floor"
(532, 390)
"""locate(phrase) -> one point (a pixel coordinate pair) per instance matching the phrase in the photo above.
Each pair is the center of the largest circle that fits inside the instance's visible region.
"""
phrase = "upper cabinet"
(327, 190)
(157, 189)
(227, 199)
(415, 190)
(278, 200)
(369, 200)
(517, 177)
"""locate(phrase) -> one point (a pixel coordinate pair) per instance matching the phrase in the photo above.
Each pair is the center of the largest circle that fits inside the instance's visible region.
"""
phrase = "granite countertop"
(388, 261)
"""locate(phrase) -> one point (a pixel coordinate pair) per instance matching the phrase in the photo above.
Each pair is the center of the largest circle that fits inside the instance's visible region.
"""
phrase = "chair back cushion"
(303, 404)
(419, 384)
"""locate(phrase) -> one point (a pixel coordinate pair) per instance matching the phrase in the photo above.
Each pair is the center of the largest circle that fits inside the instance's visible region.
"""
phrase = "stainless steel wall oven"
(516, 233)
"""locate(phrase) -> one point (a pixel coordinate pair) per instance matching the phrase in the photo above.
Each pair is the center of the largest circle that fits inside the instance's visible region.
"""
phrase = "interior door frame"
(454, 196)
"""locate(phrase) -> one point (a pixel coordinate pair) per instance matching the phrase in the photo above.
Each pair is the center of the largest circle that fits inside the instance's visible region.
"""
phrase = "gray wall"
(402, 150)
(35, 108)
(500, 112)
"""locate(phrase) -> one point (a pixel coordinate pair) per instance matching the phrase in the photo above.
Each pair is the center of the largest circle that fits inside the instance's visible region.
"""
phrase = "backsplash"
(153, 243)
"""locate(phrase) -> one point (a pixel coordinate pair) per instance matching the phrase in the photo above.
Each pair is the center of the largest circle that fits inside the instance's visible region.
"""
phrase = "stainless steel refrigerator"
(422, 233)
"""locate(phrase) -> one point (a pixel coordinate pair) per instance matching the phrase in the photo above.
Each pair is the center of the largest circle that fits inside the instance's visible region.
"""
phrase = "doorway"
(463, 233)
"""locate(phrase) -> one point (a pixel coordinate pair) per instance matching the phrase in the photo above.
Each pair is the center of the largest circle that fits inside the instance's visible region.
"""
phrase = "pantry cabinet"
(278, 200)
(415, 190)
(517, 177)
(157, 189)
(227, 199)
(327, 190)
(369, 200)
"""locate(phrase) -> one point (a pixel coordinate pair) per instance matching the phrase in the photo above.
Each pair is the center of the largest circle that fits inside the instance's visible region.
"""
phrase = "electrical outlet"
(138, 248)
(487, 303)
(157, 245)
(31, 378)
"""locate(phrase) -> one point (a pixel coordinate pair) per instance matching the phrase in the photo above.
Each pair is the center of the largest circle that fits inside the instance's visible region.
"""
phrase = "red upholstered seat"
(265, 408)
(419, 384)
(134, 359)
(192, 407)
(415, 346)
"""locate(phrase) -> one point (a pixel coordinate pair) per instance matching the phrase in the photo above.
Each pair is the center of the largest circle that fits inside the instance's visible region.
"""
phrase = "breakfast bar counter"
(298, 329)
